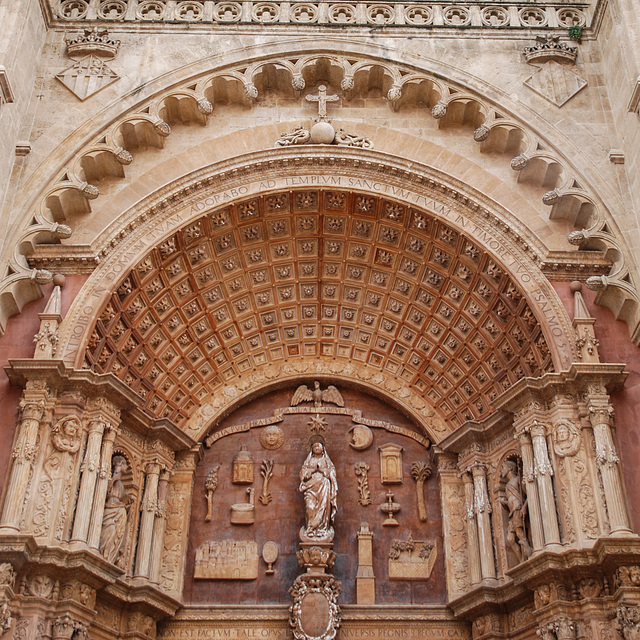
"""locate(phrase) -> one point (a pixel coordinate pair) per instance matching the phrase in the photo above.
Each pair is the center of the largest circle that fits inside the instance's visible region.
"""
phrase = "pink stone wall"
(17, 342)
(615, 346)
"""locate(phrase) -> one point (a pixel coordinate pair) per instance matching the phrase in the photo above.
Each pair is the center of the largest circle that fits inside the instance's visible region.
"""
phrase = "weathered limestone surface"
(402, 237)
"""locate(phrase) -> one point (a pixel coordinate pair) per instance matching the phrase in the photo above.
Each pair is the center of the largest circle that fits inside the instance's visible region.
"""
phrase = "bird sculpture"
(317, 395)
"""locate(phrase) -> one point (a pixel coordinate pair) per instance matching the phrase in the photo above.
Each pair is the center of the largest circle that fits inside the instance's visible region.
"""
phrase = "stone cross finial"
(322, 98)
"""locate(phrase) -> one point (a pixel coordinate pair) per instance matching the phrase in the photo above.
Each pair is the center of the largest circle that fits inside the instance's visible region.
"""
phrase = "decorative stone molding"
(554, 82)
(561, 629)
(316, 588)
(46, 340)
(435, 255)
(407, 18)
(6, 93)
(326, 135)
(84, 78)
(67, 197)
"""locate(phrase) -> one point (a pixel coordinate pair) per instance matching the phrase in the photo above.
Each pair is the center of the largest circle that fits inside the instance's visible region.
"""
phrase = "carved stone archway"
(101, 149)
(391, 280)
(403, 256)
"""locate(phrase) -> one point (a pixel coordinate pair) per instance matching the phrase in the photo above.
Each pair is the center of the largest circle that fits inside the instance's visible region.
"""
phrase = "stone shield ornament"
(315, 614)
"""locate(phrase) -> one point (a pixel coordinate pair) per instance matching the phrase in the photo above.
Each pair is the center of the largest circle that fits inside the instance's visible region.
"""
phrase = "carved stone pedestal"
(315, 614)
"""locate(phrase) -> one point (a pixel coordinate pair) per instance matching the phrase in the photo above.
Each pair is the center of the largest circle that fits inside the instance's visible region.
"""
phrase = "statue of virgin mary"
(319, 485)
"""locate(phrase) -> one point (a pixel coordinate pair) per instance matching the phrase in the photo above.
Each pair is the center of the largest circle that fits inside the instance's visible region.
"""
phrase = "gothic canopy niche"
(369, 286)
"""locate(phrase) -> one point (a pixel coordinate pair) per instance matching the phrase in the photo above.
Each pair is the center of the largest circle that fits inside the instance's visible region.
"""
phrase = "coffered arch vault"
(341, 266)
(105, 150)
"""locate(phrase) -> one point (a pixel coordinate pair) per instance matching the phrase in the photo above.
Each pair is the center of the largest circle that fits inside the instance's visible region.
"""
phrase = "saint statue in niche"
(114, 520)
(516, 504)
(319, 485)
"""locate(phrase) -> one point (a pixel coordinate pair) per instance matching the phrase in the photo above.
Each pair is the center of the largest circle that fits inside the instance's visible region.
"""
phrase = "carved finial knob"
(596, 283)
(439, 111)
(575, 286)
(576, 238)
(41, 276)
(519, 162)
(123, 156)
(90, 191)
(481, 133)
(551, 197)
(347, 83)
(250, 91)
(298, 83)
(394, 94)
(59, 280)
(162, 128)
(205, 107)
(62, 231)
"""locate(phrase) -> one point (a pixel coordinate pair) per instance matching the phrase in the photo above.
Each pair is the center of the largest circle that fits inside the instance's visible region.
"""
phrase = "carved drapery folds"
(115, 515)
(515, 502)
(55, 478)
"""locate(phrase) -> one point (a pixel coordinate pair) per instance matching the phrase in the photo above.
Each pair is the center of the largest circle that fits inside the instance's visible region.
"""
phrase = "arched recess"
(349, 267)
(452, 99)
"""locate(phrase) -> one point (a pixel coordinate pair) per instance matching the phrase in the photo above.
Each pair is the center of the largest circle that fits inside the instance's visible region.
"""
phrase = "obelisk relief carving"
(315, 614)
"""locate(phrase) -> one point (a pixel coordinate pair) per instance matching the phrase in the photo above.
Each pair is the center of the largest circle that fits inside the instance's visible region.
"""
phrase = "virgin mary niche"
(319, 485)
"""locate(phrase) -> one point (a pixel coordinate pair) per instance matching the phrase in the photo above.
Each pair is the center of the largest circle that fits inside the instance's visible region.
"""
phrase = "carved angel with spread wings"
(317, 396)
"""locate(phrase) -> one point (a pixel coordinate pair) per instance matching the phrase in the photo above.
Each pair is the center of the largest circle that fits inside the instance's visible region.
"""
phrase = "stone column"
(24, 452)
(149, 507)
(472, 530)
(533, 500)
(159, 525)
(89, 470)
(482, 508)
(544, 471)
(365, 579)
(600, 415)
(102, 484)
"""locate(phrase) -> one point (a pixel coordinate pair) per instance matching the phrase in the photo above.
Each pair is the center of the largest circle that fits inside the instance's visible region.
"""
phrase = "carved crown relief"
(318, 274)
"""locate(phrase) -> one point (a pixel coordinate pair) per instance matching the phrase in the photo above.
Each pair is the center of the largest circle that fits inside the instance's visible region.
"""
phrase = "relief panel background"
(281, 520)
